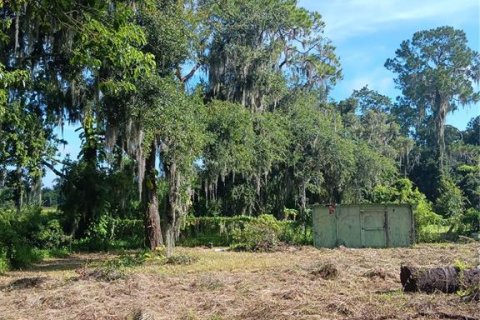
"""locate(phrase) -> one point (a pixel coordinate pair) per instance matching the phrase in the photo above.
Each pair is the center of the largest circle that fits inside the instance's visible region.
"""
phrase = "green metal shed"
(363, 226)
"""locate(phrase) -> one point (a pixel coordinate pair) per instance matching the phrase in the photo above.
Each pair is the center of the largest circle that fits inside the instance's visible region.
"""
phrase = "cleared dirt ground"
(231, 285)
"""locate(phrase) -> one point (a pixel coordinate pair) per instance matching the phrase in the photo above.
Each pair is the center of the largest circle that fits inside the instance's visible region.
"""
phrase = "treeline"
(222, 108)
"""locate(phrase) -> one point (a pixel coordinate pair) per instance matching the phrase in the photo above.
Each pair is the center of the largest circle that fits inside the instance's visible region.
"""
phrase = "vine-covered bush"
(261, 234)
(428, 224)
(211, 231)
(225, 231)
(112, 233)
(25, 235)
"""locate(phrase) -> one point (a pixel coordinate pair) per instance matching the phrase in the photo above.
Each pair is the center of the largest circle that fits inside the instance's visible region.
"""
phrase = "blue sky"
(366, 33)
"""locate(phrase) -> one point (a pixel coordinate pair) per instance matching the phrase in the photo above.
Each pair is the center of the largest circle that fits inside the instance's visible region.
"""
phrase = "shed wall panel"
(348, 231)
(325, 235)
(360, 226)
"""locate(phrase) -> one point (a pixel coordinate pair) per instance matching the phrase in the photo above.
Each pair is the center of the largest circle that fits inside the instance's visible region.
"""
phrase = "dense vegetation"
(218, 108)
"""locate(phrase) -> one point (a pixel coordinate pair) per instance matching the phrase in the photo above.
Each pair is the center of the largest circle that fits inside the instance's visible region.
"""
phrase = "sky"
(366, 33)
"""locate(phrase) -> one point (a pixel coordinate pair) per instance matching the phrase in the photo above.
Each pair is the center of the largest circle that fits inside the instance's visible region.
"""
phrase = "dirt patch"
(26, 283)
(378, 273)
(327, 271)
(99, 274)
(239, 285)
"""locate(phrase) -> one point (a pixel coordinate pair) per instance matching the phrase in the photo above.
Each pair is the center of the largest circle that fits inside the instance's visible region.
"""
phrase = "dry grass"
(235, 285)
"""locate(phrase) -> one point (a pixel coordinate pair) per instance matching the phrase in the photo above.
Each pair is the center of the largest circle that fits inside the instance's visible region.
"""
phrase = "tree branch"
(52, 167)
(191, 73)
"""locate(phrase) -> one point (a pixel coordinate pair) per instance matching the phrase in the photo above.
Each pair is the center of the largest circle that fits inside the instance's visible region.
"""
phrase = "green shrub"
(429, 225)
(4, 265)
(127, 260)
(451, 201)
(21, 256)
(432, 233)
(296, 232)
(28, 235)
(471, 219)
(221, 231)
(112, 233)
(211, 231)
(261, 234)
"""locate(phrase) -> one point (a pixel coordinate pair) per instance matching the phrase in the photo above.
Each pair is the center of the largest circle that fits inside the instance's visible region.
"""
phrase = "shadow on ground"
(70, 263)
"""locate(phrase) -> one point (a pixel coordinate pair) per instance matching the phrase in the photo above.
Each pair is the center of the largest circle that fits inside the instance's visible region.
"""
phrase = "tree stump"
(445, 279)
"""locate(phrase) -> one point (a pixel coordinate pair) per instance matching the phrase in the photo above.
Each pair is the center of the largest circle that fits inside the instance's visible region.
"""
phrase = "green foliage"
(28, 236)
(468, 180)
(371, 168)
(231, 140)
(434, 74)
(461, 265)
(126, 260)
(256, 135)
(4, 263)
(471, 135)
(427, 222)
(84, 198)
(261, 234)
(451, 202)
(112, 233)
(211, 231)
(471, 220)
(296, 232)
(255, 48)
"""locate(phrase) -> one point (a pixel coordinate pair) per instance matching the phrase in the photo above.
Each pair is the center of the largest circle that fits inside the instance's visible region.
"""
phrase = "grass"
(240, 285)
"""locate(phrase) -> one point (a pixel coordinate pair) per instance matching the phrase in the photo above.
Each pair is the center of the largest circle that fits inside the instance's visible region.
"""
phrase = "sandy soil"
(230, 285)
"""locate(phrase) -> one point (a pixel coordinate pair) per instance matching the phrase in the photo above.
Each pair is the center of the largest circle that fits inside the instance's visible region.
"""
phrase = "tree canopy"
(222, 107)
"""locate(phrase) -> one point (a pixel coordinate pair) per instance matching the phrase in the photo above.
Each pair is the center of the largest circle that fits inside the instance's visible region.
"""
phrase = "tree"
(436, 71)
(256, 48)
(173, 121)
(472, 132)
(257, 56)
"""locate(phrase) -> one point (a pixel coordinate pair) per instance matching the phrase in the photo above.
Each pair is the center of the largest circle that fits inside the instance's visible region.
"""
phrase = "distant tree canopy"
(436, 71)
(220, 108)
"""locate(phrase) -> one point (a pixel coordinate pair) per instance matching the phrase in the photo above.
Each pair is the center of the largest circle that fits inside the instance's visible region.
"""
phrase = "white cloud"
(347, 18)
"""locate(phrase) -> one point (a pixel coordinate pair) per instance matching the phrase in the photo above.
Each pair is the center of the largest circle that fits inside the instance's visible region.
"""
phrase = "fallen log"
(447, 279)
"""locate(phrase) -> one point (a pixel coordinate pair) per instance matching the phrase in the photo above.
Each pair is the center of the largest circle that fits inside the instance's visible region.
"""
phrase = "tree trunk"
(303, 197)
(447, 279)
(441, 107)
(153, 234)
(169, 217)
(18, 191)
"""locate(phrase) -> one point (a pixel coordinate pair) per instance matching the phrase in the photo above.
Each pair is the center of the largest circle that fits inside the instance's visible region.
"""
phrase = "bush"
(26, 236)
(112, 233)
(261, 234)
(221, 231)
(428, 224)
(4, 265)
(471, 218)
(451, 201)
(115, 233)
(296, 232)
(24, 255)
(211, 231)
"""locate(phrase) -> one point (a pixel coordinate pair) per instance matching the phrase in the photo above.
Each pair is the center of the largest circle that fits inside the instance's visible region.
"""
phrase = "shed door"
(373, 229)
